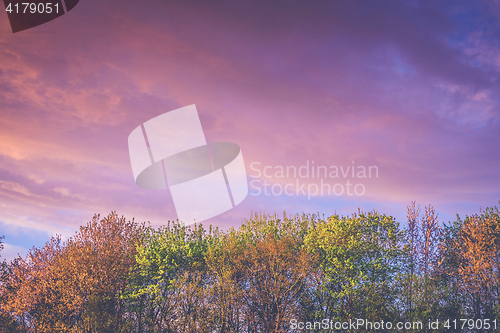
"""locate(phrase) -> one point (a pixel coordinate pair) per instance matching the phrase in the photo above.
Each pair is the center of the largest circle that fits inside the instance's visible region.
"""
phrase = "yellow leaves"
(253, 278)
(355, 252)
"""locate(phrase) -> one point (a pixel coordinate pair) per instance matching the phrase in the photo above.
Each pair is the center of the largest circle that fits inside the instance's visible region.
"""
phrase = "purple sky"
(411, 87)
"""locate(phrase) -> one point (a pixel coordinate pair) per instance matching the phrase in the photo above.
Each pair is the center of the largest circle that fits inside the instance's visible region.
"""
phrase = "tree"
(224, 294)
(359, 257)
(75, 286)
(429, 261)
(116, 276)
(452, 299)
(36, 296)
(409, 274)
(469, 266)
(259, 274)
(477, 269)
(168, 277)
(7, 322)
(273, 276)
(99, 258)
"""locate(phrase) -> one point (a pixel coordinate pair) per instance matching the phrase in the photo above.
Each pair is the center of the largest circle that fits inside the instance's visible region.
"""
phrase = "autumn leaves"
(117, 276)
(75, 284)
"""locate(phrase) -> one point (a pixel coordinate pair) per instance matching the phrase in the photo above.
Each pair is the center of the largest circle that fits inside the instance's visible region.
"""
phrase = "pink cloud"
(384, 85)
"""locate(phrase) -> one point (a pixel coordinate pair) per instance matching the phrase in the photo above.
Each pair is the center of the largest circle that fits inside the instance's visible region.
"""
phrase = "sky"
(410, 88)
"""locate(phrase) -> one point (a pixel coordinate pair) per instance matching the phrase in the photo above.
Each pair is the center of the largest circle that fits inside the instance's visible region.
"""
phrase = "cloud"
(13, 187)
(11, 252)
(62, 191)
(408, 86)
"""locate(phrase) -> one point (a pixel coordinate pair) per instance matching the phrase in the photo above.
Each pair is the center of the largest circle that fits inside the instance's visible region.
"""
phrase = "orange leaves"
(56, 287)
(477, 251)
(274, 272)
(114, 276)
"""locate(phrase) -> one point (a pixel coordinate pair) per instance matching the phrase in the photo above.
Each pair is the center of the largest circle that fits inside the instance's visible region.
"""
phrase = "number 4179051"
(470, 324)
(31, 7)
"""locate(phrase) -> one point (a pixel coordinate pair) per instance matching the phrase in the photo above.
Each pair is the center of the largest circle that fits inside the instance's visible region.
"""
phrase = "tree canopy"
(272, 272)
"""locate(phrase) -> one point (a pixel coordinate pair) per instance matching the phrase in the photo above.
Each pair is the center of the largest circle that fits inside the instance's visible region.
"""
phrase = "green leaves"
(356, 254)
(115, 276)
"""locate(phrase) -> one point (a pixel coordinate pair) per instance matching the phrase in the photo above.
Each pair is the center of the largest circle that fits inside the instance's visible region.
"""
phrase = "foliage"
(74, 286)
(359, 257)
(117, 276)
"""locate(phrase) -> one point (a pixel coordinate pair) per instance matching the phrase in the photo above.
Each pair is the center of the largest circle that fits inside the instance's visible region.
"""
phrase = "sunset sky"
(411, 87)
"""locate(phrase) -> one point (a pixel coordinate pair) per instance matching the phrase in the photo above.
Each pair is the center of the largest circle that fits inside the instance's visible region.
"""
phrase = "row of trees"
(118, 276)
